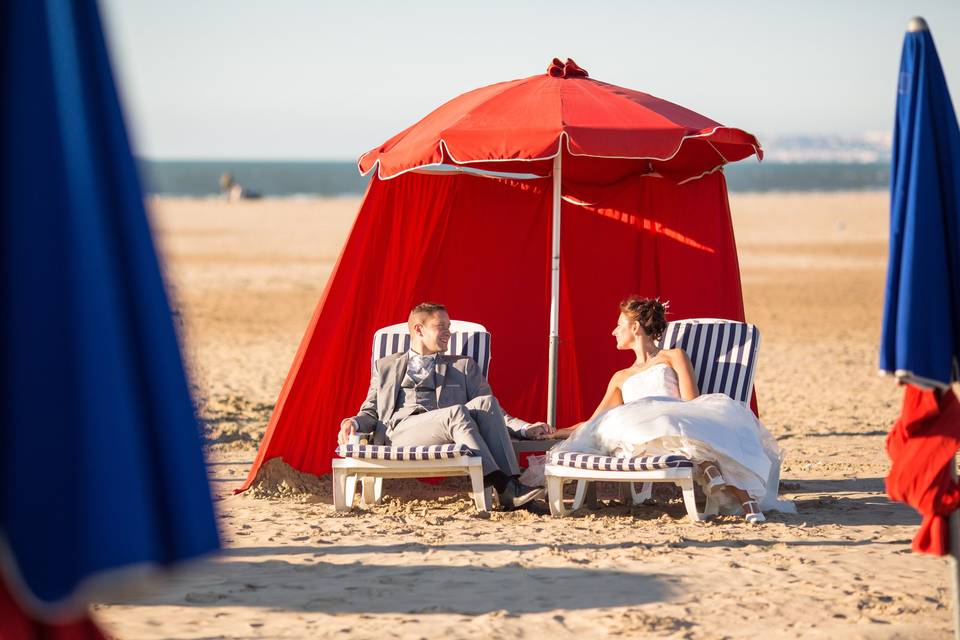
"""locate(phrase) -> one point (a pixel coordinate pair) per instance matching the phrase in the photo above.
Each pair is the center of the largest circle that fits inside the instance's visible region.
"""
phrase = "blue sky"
(326, 81)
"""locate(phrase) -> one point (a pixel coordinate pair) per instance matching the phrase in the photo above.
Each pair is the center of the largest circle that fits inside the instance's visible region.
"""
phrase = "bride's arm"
(565, 432)
(612, 398)
(680, 362)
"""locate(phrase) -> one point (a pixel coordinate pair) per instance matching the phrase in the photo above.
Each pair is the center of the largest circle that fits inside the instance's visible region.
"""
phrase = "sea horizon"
(341, 178)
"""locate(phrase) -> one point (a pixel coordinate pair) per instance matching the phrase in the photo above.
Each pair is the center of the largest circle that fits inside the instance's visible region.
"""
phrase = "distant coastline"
(200, 179)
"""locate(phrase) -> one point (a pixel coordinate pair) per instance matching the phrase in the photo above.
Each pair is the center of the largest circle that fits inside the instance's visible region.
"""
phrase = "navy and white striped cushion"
(388, 343)
(723, 353)
(610, 463)
(418, 452)
(474, 344)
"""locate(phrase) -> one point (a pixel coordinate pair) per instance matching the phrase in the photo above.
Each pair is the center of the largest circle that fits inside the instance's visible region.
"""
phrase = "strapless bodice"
(657, 381)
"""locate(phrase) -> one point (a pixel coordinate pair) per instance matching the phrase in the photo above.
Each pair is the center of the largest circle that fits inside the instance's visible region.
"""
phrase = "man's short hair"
(424, 309)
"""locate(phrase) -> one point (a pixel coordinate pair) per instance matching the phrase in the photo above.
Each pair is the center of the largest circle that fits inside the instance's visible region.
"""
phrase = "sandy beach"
(245, 279)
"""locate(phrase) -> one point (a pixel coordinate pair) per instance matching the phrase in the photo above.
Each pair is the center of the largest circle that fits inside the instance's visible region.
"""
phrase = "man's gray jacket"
(458, 380)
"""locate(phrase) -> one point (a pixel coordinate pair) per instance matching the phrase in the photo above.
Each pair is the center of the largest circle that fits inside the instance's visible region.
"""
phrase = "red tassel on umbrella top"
(568, 69)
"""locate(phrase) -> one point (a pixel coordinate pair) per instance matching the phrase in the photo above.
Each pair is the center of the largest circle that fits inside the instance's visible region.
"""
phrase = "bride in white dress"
(654, 408)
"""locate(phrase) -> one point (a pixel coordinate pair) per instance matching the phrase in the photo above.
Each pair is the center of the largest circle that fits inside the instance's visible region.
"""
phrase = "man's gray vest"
(422, 394)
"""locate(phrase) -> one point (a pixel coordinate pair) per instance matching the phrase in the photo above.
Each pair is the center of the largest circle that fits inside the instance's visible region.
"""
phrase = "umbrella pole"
(554, 297)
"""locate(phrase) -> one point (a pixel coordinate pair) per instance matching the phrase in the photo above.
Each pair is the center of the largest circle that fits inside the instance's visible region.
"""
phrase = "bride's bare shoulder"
(621, 375)
(675, 355)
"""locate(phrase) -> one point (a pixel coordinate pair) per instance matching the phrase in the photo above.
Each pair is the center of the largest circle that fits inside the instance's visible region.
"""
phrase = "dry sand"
(423, 564)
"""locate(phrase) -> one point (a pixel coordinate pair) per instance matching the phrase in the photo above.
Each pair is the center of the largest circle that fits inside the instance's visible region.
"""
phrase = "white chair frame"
(558, 475)
(370, 473)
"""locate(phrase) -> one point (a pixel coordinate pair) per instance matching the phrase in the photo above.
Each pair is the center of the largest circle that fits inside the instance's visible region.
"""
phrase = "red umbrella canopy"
(521, 125)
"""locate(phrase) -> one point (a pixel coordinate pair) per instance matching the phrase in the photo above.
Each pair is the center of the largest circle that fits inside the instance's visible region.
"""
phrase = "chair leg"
(625, 491)
(590, 498)
(581, 495)
(339, 490)
(689, 499)
(555, 496)
(710, 508)
(369, 497)
(350, 489)
(645, 493)
(478, 491)
(377, 489)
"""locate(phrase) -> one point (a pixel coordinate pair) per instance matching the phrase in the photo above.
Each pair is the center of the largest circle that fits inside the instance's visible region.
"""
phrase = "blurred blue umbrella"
(921, 317)
(101, 465)
(920, 341)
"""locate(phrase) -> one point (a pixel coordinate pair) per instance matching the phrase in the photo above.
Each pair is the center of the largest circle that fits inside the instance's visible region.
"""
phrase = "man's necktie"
(420, 367)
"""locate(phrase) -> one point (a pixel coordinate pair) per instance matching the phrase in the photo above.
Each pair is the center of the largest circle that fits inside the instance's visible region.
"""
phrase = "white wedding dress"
(654, 421)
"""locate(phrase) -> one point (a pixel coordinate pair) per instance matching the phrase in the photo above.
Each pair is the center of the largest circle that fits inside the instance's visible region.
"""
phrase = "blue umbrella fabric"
(101, 466)
(920, 340)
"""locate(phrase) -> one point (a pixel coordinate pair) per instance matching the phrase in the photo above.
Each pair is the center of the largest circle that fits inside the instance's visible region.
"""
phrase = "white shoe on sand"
(715, 479)
(752, 513)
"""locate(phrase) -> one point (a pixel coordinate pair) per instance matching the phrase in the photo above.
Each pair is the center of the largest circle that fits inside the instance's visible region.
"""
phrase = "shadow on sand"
(376, 588)
(845, 502)
(833, 434)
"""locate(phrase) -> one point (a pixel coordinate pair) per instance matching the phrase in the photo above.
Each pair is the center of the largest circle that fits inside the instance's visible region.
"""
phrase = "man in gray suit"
(424, 397)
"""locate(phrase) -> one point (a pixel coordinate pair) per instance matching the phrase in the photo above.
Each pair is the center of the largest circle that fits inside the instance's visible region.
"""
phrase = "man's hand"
(346, 430)
(538, 431)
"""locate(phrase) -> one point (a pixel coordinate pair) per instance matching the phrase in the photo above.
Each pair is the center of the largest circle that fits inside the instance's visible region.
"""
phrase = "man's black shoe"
(537, 508)
(516, 494)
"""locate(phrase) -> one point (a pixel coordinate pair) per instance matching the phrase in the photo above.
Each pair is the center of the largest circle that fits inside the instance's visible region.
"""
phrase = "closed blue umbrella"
(920, 342)
(101, 465)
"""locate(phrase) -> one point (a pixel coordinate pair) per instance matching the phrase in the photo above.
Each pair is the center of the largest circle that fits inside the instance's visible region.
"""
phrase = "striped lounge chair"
(724, 354)
(370, 464)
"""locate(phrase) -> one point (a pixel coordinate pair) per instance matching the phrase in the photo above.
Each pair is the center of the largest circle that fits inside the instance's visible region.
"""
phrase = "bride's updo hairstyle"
(650, 313)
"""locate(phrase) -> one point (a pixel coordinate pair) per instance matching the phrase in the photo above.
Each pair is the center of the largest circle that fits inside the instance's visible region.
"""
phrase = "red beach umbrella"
(522, 125)
(569, 126)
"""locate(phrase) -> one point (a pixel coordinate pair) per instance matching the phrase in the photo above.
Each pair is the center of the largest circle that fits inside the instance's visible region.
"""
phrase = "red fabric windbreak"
(921, 446)
(645, 236)
(481, 246)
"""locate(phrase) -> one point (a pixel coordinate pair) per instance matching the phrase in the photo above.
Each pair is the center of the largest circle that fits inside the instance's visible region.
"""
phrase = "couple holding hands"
(653, 407)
